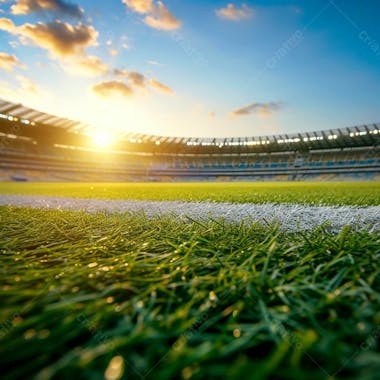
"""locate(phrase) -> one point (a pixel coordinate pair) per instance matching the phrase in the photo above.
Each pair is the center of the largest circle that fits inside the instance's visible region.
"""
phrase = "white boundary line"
(291, 217)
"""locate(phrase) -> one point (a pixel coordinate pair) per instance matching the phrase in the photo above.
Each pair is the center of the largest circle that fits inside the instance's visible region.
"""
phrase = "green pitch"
(349, 193)
(119, 296)
(99, 296)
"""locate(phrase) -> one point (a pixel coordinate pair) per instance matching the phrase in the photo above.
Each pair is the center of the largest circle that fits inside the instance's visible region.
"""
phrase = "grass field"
(344, 193)
(118, 296)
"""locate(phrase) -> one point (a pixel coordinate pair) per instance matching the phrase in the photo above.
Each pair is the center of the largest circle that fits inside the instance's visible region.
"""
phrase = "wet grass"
(331, 193)
(119, 296)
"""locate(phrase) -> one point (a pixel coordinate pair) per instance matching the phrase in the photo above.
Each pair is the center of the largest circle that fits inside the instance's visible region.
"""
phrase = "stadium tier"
(35, 146)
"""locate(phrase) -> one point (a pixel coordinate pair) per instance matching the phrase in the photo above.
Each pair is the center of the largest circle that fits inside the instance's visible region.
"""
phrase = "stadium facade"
(36, 146)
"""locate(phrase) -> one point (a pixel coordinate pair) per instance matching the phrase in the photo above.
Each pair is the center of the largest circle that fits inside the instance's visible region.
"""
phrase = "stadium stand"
(35, 146)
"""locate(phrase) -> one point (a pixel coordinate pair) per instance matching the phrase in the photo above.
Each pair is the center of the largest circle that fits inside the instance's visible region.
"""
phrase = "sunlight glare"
(102, 139)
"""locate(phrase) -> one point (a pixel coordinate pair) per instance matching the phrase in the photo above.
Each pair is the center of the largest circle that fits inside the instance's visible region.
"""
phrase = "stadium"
(189, 190)
(40, 147)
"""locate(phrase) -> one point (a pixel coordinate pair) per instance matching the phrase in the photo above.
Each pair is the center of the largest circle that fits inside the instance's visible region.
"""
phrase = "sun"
(102, 139)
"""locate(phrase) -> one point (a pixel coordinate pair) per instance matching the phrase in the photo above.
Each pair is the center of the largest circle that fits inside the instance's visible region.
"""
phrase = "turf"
(119, 296)
(347, 193)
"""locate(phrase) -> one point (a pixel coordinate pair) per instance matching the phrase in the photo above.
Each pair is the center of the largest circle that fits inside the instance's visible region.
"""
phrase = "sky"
(195, 67)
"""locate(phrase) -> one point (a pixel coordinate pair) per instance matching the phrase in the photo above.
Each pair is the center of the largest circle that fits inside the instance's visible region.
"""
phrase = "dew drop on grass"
(29, 334)
(187, 373)
(115, 368)
(237, 333)
(92, 265)
(213, 297)
(361, 326)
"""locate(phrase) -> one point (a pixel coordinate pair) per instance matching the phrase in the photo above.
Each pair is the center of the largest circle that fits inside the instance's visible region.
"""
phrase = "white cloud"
(60, 7)
(140, 6)
(261, 109)
(9, 62)
(112, 88)
(162, 19)
(157, 15)
(234, 13)
(161, 87)
(60, 38)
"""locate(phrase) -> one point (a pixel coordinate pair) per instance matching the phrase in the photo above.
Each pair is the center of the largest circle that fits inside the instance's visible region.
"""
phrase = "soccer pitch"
(120, 295)
(331, 193)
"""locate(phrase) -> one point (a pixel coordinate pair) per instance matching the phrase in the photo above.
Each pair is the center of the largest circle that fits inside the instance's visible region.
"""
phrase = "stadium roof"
(18, 112)
(363, 132)
(31, 116)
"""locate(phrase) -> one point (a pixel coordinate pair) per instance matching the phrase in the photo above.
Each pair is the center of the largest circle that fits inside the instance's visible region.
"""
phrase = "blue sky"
(195, 68)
